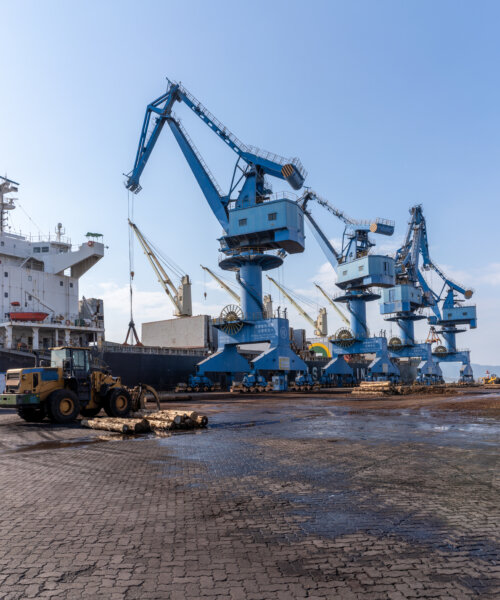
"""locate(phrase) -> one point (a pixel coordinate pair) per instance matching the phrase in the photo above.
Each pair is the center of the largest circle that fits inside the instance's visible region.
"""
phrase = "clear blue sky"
(387, 103)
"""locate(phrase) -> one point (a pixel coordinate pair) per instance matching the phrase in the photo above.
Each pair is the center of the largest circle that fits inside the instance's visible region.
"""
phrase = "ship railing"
(40, 238)
(109, 347)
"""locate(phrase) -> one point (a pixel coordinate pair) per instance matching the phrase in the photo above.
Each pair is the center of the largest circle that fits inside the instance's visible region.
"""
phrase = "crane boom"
(337, 309)
(163, 278)
(223, 285)
(259, 162)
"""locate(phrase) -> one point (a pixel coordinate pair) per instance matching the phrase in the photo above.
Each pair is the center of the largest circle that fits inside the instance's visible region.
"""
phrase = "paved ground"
(280, 498)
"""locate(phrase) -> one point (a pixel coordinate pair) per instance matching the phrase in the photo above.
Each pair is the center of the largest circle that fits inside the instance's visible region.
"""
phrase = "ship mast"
(7, 186)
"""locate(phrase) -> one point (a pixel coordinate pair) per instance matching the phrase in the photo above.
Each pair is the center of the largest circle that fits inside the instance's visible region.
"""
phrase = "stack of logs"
(373, 388)
(385, 388)
(145, 421)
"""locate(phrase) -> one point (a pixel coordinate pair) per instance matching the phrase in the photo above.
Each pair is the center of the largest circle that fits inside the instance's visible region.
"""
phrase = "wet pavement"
(281, 497)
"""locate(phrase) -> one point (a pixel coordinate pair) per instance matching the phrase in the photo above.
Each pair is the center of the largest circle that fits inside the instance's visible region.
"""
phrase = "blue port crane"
(406, 301)
(358, 270)
(259, 229)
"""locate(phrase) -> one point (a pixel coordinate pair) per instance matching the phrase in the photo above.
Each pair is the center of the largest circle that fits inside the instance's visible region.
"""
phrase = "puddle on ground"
(56, 444)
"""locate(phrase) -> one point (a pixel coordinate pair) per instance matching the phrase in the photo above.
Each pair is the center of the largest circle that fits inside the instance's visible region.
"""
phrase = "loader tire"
(63, 406)
(32, 414)
(90, 413)
(118, 403)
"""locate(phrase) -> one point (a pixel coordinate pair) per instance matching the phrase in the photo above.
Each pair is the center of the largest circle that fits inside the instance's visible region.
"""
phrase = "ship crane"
(223, 284)
(179, 296)
(358, 270)
(412, 293)
(320, 325)
(255, 226)
(333, 305)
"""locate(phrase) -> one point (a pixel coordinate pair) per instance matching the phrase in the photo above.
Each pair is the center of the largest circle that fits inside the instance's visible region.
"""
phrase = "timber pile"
(145, 421)
(373, 388)
(385, 388)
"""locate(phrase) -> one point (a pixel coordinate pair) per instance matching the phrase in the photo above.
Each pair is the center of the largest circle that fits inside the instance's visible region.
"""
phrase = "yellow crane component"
(223, 285)
(180, 297)
(337, 309)
(320, 324)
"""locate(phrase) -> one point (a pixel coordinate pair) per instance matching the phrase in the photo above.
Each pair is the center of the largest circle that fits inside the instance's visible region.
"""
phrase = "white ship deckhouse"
(39, 301)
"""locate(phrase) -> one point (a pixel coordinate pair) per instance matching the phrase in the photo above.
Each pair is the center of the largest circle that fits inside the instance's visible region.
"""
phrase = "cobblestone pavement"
(280, 498)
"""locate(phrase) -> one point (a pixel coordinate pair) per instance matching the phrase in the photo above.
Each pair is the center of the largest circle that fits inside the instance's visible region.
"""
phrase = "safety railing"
(198, 107)
(110, 347)
(388, 222)
(199, 157)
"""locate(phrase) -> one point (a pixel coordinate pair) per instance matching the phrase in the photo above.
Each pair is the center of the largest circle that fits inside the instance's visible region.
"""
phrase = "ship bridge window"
(45, 249)
(61, 283)
(5, 273)
(70, 284)
(36, 250)
(2, 243)
(272, 216)
(242, 222)
(6, 294)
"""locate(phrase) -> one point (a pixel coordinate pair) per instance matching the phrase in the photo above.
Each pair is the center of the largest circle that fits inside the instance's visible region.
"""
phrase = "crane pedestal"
(359, 343)
(429, 371)
(449, 352)
(381, 368)
(278, 357)
(252, 327)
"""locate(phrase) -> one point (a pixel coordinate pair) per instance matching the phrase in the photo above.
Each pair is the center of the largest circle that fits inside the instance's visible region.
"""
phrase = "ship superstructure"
(39, 301)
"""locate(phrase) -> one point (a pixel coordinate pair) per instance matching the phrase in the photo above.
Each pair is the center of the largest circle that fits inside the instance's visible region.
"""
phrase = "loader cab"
(78, 358)
(75, 364)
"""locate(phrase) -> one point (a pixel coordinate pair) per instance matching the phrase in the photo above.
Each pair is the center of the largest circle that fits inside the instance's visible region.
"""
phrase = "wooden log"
(105, 426)
(118, 425)
(160, 425)
(176, 416)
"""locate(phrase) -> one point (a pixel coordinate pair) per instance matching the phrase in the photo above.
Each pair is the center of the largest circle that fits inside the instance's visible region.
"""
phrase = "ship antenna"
(7, 186)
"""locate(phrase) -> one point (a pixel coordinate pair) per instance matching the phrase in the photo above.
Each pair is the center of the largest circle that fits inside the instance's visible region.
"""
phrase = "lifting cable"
(130, 209)
(131, 332)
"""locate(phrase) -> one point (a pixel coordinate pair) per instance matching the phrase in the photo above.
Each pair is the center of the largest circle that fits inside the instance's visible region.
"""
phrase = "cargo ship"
(39, 296)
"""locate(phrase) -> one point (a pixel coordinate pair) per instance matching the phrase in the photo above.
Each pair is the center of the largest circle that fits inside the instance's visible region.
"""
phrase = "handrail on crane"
(258, 162)
(222, 131)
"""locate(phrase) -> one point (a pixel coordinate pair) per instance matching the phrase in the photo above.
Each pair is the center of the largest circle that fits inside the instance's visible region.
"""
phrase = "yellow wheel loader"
(68, 387)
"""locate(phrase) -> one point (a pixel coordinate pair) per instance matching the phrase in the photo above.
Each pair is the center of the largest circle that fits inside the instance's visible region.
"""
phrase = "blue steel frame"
(246, 253)
(356, 245)
(409, 272)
